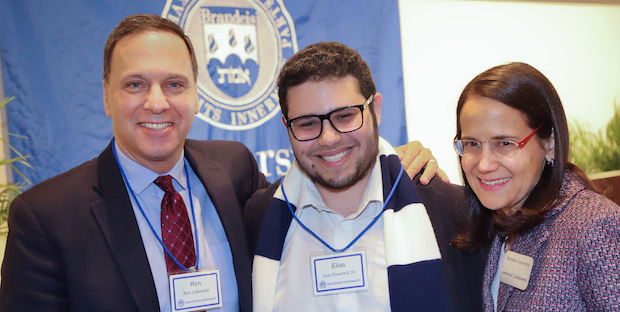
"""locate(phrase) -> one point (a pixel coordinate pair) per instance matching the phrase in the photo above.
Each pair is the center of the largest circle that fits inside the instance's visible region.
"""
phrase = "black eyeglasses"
(346, 119)
(500, 147)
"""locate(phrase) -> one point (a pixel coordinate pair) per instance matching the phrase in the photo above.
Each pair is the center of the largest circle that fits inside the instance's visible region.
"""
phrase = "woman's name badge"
(339, 273)
(193, 291)
(516, 270)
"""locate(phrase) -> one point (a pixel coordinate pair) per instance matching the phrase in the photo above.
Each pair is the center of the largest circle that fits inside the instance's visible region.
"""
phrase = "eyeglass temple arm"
(527, 138)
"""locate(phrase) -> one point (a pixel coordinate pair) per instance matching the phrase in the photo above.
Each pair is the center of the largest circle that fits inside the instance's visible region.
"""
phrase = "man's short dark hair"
(325, 60)
(139, 23)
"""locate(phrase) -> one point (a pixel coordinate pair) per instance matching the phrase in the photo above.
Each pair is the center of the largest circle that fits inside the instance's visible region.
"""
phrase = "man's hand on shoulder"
(414, 157)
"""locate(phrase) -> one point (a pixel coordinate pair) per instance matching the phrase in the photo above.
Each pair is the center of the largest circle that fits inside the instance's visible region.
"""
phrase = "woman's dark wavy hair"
(527, 90)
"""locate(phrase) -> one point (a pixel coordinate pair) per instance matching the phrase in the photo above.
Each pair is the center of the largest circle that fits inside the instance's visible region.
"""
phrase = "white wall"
(446, 43)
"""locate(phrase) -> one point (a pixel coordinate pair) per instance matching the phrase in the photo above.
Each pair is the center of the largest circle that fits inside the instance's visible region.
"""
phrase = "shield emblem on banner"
(232, 58)
(240, 47)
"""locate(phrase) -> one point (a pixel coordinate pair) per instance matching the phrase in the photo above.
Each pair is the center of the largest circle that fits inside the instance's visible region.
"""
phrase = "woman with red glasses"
(554, 241)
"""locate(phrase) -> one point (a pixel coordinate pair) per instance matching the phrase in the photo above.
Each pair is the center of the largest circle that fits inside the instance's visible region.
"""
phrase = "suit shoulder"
(586, 207)
(445, 203)
(255, 211)
(589, 213)
(215, 145)
(219, 150)
(437, 192)
(74, 182)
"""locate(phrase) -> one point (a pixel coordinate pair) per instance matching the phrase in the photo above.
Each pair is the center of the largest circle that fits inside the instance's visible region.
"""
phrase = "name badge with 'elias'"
(339, 273)
(196, 291)
(516, 270)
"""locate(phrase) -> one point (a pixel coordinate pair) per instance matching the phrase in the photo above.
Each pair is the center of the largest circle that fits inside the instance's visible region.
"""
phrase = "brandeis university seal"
(240, 47)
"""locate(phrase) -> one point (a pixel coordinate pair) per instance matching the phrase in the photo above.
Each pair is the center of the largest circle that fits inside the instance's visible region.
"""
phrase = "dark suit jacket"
(443, 202)
(74, 242)
(446, 205)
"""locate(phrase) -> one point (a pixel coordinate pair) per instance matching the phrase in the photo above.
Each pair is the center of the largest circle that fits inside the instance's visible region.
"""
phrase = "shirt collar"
(309, 196)
(140, 177)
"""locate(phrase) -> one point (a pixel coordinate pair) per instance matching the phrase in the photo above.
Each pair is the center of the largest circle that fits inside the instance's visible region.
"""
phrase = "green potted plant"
(8, 190)
(596, 152)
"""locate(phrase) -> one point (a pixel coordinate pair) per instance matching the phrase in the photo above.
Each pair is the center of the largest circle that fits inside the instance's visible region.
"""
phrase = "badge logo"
(240, 47)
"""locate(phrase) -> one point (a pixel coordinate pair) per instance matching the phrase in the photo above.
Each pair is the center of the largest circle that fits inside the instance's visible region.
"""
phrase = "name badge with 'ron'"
(516, 270)
(196, 291)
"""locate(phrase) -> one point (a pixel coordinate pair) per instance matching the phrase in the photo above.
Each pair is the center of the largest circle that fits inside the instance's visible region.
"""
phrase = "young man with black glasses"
(347, 230)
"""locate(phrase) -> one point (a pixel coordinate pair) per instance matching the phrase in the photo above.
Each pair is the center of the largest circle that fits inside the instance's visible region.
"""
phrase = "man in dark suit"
(82, 241)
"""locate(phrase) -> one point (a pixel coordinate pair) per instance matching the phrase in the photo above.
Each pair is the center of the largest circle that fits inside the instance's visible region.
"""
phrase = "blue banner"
(52, 55)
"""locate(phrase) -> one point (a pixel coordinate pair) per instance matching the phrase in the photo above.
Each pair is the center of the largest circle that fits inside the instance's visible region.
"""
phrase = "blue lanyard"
(387, 200)
(191, 202)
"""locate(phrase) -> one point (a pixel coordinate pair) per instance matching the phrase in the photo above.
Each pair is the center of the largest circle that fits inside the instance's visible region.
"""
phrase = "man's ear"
(284, 122)
(106, 105)
(376, 106)
(197, 101)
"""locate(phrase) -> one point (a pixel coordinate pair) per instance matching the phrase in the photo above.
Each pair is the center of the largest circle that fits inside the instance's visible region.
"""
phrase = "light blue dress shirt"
(294, 291)
(213, 247)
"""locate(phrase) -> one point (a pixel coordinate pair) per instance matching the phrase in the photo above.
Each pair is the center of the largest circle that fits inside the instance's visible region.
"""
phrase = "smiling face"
(501, 183)
(151, 97)
(335, 160)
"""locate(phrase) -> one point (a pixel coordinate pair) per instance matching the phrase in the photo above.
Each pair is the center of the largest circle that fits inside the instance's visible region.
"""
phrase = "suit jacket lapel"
(531, 245)
(118, 223)
(490, 270)
(222, 194)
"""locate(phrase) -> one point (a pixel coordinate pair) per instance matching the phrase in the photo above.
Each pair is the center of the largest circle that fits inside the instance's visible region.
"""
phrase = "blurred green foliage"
(596, 152)
(8, 191)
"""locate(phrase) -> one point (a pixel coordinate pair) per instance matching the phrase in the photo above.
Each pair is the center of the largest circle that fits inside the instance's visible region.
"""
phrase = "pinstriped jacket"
(576, 253)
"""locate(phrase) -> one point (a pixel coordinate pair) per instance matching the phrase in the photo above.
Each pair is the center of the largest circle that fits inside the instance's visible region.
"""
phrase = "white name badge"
(195, 291)
(516, 270)
(339, 273)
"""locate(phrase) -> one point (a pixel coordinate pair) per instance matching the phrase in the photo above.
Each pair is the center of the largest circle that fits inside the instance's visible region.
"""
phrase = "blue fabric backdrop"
(52, 55)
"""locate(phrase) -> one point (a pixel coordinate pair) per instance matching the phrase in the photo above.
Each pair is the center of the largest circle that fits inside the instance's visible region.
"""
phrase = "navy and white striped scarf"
(416, 278)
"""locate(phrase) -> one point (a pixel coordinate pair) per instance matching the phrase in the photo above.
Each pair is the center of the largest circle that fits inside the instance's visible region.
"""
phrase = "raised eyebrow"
(182, 80)
(505, 138)
(146, 76)
(469, 139)
(346, 108)
(318, 115)
(175, 77)
(304, 116)
(495, 138)
(129, 77)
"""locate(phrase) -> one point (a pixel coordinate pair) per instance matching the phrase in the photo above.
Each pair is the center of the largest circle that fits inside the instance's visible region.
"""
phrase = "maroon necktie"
(176, 230)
